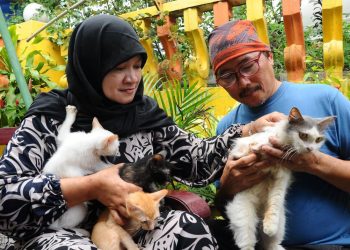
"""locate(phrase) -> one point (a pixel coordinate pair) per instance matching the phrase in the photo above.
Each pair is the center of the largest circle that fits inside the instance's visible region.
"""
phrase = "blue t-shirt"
(317, 212)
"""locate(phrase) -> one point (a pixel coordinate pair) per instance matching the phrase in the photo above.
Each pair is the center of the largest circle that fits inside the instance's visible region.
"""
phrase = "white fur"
(78, 154)
(264, 202)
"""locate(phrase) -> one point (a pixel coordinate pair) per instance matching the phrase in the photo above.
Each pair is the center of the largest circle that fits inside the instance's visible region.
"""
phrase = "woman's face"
(121, 83)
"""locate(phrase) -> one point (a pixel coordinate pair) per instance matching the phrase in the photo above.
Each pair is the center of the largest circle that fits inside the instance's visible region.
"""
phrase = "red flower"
(2, 103)
(17, 102)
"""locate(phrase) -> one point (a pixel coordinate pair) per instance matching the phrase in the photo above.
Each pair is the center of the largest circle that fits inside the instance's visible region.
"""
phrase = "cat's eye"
(303, 136)
(319, 139)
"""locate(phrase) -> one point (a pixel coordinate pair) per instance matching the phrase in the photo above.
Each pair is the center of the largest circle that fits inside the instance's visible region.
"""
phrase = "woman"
(104, 75)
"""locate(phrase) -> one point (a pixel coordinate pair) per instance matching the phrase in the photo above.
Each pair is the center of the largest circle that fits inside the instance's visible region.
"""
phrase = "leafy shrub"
(12, 107)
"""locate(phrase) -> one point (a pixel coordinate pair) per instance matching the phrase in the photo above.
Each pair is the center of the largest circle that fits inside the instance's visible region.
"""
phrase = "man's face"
(250, 89)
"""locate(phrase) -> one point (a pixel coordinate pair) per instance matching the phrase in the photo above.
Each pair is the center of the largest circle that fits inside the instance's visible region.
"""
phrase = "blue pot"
(5, 7)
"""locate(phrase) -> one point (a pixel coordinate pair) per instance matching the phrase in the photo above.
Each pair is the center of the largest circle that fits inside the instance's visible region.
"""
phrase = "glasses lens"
(227, 79)
(249, 69)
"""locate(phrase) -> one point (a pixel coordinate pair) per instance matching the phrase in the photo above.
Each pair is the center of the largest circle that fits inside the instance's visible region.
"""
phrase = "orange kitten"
(143, 210)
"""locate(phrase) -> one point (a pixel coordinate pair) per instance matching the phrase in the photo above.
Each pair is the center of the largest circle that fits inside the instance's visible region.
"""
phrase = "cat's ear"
(295, 116)
(324, 123)
(110, 139)
(132, 208)
(162, 153)
(96, 123)
(157, 159)
(157, 196)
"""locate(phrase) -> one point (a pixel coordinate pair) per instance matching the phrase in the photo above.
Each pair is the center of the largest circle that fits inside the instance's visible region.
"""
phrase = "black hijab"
(98, 45)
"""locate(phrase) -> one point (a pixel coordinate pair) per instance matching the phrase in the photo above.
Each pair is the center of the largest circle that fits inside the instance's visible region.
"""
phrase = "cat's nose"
(309, 149)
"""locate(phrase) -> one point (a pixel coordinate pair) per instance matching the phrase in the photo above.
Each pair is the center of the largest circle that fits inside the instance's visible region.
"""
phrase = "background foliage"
(273, 14)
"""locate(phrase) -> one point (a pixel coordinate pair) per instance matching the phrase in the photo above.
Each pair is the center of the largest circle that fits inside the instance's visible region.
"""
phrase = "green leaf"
(37, 39)
(39, 66)
(34, 74)
(59, 68)
(30, 58)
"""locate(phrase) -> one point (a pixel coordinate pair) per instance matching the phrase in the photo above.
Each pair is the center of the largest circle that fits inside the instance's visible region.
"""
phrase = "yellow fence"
(198, 63)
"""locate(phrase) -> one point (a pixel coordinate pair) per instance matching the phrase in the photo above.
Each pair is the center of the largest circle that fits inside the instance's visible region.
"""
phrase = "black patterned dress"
(31, 201)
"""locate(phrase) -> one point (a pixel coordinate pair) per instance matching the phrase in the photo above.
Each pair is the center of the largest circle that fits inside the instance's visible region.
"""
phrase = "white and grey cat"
(264, 202)
(79, 154)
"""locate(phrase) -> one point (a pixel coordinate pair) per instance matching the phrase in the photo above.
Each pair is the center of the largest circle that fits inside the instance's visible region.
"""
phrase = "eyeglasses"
(249, 68)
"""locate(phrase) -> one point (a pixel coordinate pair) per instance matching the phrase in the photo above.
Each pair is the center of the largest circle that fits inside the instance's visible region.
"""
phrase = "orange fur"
(142, 208)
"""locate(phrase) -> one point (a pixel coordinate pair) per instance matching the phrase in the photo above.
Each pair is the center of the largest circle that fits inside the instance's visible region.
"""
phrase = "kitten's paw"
(270, 229)
(71, 109)
(248, 248)
(275, 247)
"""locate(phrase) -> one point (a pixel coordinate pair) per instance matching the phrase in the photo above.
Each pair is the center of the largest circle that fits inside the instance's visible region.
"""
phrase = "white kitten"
(265, 201)
(79, 154)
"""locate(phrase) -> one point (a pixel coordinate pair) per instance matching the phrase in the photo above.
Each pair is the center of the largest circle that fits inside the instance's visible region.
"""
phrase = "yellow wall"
(222, 102)
(26, 29)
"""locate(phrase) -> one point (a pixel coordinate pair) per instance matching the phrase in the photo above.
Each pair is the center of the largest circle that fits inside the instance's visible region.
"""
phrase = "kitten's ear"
(295, 116)
(131, 208)
(110, 139)
(96, 123)
(157, 196)
(157, 158)
(162, 153)
(324, 123)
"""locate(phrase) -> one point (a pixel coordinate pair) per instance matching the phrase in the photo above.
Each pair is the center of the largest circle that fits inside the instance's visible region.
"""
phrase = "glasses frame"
(238, 72)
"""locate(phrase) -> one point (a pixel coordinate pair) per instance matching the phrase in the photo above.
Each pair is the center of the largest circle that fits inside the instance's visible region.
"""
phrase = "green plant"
(207, 193)
(346, 39)
(185, 103)
(11, 102)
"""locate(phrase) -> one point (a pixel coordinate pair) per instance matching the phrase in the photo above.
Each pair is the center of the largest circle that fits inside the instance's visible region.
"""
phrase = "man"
(318, 201)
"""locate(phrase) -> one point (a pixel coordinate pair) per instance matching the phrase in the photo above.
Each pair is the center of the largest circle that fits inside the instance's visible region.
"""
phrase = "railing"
(191, 10)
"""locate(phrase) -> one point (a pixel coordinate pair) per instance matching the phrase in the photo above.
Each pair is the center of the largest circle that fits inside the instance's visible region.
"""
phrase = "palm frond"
(186, 103)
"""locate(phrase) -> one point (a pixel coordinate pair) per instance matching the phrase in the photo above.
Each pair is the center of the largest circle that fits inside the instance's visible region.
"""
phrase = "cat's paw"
(275, 247)
(70, 109)
(248, 248)
(270, 229)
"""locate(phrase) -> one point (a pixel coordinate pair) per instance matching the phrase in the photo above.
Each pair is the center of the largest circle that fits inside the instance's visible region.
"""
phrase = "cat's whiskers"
(289, 153)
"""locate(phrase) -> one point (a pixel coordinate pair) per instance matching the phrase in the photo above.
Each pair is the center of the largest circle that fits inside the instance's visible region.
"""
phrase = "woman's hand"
(112, 191)
(241, 174)
(105, 186)
(260, 123)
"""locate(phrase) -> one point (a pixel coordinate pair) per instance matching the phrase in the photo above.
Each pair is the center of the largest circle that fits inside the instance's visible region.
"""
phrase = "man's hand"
(241, 174)
(305, 162)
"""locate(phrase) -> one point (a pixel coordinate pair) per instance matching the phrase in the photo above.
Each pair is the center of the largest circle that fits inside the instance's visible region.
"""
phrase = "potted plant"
(12, 107)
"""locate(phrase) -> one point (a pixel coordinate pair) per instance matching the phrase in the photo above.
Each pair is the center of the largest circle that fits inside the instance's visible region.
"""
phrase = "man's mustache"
(247, 91)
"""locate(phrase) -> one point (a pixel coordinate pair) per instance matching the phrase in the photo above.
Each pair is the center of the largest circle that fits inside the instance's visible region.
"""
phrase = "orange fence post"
(172, 66)
(294, 53)
(222, 13)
